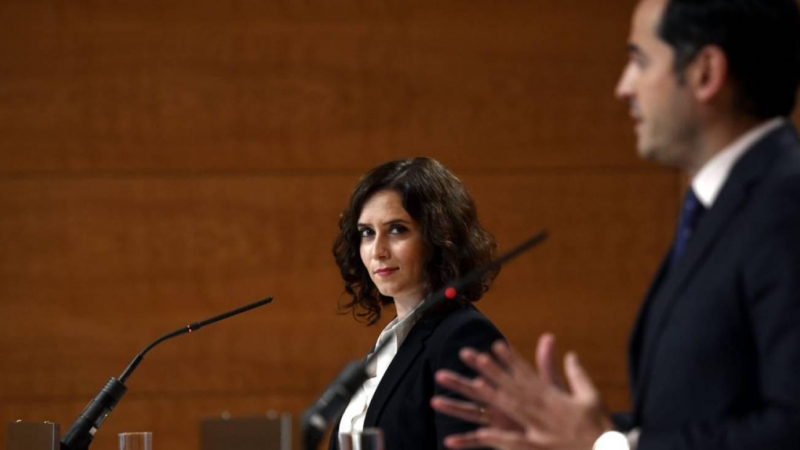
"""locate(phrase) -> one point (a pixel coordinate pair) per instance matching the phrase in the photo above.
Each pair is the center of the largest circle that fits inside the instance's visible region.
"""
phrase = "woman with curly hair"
(410, 227)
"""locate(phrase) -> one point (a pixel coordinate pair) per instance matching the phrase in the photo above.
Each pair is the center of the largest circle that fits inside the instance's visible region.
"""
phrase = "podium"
(271, 431)
(33, 436)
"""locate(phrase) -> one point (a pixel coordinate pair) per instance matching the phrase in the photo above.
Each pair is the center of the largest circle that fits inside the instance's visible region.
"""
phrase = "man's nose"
(624, 88)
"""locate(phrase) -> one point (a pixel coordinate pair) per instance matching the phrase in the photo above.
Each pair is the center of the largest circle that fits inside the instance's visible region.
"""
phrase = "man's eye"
(639, 61)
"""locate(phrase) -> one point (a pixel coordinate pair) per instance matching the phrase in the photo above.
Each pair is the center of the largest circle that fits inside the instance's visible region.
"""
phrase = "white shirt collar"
(712, 176)
(399, 328)
(396, 333)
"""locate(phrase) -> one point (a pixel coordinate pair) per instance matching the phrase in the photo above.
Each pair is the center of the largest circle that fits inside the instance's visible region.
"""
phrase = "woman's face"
(392, 249)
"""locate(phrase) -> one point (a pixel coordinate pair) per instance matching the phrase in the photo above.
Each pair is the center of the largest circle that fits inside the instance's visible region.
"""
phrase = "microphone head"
(316, 419)
(313, 429)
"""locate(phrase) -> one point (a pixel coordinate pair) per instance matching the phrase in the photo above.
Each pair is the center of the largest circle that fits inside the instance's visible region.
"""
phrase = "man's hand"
(524, 409)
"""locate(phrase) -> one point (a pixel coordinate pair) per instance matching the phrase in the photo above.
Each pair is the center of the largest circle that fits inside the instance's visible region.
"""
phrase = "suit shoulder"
(779, 199)
(777, 196)
(786, 166)
(465, 325)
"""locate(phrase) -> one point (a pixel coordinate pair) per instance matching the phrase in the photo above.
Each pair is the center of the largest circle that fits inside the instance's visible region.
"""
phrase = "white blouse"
(396, 331)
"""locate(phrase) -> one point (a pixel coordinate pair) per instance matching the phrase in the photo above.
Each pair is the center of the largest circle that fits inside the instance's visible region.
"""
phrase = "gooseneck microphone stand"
(82, 432)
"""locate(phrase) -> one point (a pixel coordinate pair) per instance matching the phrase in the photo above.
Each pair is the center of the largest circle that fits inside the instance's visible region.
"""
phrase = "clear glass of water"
(369, 439)
(142, 440)
(345, 441)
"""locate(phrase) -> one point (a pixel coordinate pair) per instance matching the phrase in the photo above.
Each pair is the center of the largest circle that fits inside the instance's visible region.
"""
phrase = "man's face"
(661, 106)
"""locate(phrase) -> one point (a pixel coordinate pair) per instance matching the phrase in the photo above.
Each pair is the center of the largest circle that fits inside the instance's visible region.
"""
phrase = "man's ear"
(707, 73)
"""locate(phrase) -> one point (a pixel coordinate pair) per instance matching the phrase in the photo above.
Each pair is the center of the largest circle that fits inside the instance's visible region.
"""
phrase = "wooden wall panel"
(93, 269)
(199, 86)
(96, 256)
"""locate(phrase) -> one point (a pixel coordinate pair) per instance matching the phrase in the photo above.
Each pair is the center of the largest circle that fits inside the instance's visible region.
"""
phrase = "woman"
(410, 227)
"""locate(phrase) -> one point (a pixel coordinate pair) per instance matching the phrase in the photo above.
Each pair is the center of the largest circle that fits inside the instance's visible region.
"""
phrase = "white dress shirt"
(396, 331)
(712, 176)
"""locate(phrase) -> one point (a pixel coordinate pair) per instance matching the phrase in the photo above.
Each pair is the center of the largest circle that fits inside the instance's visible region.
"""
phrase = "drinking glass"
(369, 439)
(142, 440)
(345, 441)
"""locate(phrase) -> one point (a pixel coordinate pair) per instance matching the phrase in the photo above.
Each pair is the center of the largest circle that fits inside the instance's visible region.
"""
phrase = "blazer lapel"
(403, 361)
(635, 342)
(670, 283)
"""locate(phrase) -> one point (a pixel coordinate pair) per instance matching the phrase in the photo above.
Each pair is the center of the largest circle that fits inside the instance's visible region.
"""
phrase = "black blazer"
(401, 404)
(714, 358)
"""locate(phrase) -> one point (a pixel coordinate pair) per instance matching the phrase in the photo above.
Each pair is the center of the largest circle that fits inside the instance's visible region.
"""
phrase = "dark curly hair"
(454, 240)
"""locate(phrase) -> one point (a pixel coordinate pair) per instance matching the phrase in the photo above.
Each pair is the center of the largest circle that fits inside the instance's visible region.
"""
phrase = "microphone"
(338, 394)
(82, 432)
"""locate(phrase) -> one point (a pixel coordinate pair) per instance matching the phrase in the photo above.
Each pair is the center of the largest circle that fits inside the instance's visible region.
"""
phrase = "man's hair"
(761, 39)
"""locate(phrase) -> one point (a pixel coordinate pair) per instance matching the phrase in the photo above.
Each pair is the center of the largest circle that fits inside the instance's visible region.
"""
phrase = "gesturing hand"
(524, 409)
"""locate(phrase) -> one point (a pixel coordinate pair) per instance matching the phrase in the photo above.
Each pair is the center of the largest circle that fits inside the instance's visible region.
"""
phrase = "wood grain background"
(161, 162)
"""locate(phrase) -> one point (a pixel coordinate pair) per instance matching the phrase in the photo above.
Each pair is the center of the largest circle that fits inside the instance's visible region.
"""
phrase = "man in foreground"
(714, 357)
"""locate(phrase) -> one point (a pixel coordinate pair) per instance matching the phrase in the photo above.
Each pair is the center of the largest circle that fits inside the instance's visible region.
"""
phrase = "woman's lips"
(386, 271)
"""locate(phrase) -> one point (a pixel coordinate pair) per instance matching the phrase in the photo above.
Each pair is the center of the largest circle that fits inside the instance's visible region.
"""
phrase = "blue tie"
(690, 215)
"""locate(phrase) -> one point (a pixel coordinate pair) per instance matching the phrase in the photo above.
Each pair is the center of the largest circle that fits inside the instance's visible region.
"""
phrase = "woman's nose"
(381, 248)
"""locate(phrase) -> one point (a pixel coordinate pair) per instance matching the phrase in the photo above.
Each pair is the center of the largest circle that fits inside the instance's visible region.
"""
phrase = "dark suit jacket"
(714, 358)
(401, 404)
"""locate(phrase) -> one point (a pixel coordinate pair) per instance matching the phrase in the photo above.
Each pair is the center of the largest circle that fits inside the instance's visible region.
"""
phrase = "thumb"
(580, 384)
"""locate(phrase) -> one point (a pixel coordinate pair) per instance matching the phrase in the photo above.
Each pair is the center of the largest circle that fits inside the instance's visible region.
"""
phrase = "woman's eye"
(398, 229)
(365, 232)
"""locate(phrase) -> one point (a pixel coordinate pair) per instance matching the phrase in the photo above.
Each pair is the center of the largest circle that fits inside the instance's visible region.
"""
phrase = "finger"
(513, 361)
(468, 355)
(493, 372)
(546, 360)
(580, 383)
(466, 411)
(517, 402)
(521, 408)
(488, 437)
(459, 384)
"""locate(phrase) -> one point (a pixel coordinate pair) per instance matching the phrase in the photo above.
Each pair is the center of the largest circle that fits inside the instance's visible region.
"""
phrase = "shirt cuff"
(633, 438)
(615, 440)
